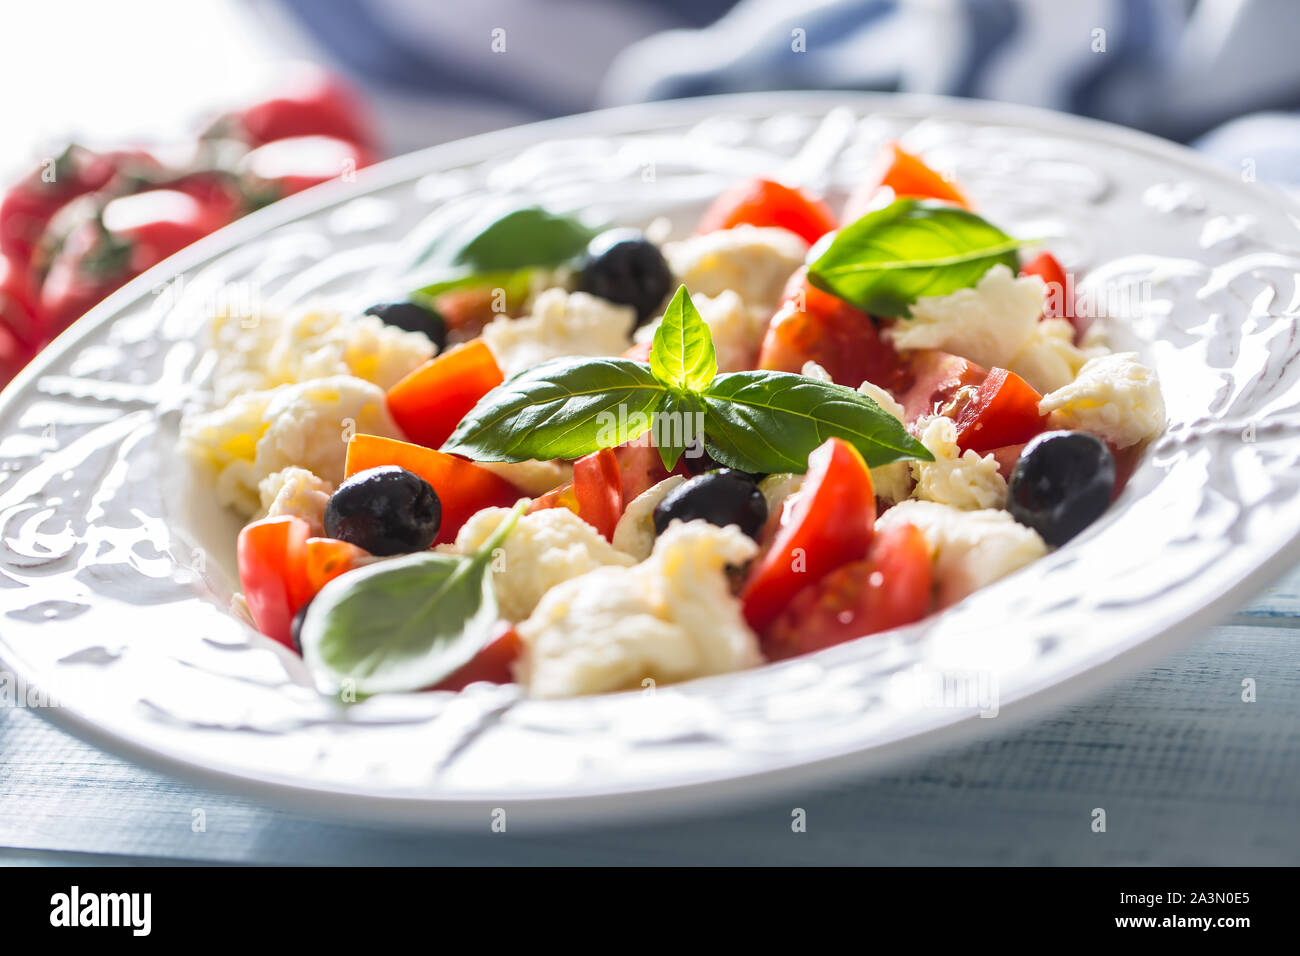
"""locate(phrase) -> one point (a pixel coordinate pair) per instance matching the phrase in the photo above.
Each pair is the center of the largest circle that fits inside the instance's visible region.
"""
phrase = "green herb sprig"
(754, 421)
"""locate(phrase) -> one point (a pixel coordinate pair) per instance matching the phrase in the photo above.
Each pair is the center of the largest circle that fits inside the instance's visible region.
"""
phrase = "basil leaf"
(516, 284)
(890, 258)
(682, 354)
(565, 408)
(469, 245)
(678, 426)
(404, 624)
(771, 421)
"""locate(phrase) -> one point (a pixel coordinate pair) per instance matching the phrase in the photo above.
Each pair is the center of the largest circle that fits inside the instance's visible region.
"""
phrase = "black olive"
(697, 461)
(413, 318)
(1061, 483)
(386, 510)
(720, 497)
(624, 266)
(295, 628)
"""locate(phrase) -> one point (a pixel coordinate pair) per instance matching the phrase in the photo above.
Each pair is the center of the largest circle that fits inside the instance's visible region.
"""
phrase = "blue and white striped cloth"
(1223, 75)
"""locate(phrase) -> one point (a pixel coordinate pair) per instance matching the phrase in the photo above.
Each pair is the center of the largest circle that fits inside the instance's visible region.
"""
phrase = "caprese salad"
(588, 459)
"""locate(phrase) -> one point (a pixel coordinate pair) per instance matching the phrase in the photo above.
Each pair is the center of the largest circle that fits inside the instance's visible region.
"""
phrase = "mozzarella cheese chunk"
(670, 618)
(891, 483)
(259, 351)
(543, 549)
(307, 425)
(996, 324)
(635, 532)
(561, 324)
(1114, 397)
(969, 548)
(753, 261)
(296, 491)
(963, 480)
(779, 488)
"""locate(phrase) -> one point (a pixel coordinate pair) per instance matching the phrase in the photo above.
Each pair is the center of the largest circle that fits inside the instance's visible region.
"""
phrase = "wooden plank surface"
(1187, 772)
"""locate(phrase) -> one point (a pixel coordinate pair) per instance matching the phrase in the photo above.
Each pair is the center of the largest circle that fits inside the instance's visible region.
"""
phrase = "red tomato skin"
(1060, 302)
(931, 380)
(429, 403)
(598, 487)
(815, 326)
(898, 174)
(1003, 412)
(462, 486)
(270, 555)
(762, 202)
(639, 466)
(19, 314)
(316, 103)
(1006, 457)
(324, 559)
(830, 524)
(494, 664)
(287, 166)
(889, 588)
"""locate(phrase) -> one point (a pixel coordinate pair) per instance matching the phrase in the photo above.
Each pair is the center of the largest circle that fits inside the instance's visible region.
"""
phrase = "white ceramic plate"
(115, 570)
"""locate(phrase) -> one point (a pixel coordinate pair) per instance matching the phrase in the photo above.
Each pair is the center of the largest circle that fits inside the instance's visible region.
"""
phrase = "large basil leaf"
(565, 408)
(682, 354)
(403, 624)
(497, 245)
(771, 421)
(912, 248)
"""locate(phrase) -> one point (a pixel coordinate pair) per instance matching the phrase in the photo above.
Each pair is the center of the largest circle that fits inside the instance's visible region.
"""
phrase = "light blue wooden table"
(1188, 774)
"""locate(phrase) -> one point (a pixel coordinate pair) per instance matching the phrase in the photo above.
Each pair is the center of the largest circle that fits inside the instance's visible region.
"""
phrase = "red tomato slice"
(429, 403)
(889, 588)
(903, 175)
(829, 524)
(493, 665)
(815, 326)
(1060, 291)
(640, 466)
(325, 559)
(18, 311)
(1003, 412)
(270, 555)
(762, 202)
(598, 487)
(932, 380)
(313, 103)
(462, 486)
(1006, 457)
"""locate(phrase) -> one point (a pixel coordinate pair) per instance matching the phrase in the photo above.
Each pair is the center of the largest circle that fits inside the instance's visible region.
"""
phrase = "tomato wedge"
(889, 588)
(828, 524)
(598, 487)
(762, 202)
(1060, 292)
(902, 174)
(463, 487)
(326, 558)
(270, 555)
(1003, 412)
(815, 326)
(931, 380)
(429, 403)
(492, 665)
